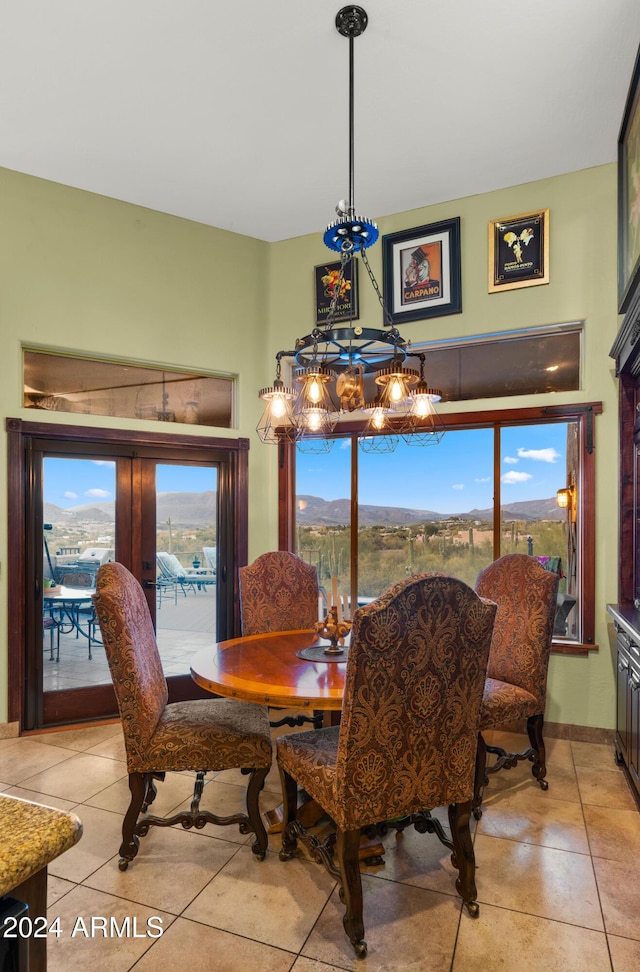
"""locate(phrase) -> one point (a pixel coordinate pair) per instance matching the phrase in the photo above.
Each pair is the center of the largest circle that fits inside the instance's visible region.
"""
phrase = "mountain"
(190, 510)
(314, 511)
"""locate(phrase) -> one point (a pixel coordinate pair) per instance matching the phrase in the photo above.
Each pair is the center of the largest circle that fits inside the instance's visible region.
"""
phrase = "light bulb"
(278, 406)
(422, 406)
(313, 418)
(378, 418)
(314, 391)
(396, 390)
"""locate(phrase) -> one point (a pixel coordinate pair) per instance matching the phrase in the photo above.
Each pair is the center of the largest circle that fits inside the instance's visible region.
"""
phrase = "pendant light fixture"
(345, 369)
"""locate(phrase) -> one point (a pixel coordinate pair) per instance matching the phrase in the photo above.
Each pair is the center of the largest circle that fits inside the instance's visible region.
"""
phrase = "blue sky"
(75, 482)
(452, 477)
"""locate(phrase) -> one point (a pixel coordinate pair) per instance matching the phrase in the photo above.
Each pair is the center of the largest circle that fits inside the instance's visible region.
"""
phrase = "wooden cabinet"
(626, 613)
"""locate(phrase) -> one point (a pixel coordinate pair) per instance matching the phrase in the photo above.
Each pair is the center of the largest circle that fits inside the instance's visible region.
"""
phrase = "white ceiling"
(235, 113)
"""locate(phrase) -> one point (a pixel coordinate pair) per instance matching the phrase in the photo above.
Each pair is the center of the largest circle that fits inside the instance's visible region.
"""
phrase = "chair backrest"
(278, 592)
(77, 578)
(526, 597)
(210, 557)
(415, 676)
(169, 565)
(132, 652)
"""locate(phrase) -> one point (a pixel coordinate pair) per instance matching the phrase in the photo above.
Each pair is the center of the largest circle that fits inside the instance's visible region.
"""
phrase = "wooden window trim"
(582, 413)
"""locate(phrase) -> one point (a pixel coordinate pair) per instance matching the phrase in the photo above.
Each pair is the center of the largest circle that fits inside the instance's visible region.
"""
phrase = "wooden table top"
(264, 668)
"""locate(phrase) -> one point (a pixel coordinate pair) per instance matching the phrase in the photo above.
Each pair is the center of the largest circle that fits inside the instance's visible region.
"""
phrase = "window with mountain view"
(480, 493)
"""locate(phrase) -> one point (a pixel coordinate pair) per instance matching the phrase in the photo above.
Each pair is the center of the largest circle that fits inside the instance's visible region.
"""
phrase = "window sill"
(571, 648)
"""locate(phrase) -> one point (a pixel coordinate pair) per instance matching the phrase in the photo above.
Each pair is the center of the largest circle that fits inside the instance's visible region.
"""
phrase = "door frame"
(232, 453)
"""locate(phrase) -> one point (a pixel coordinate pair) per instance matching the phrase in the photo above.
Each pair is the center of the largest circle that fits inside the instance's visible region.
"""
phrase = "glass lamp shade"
(395, 383)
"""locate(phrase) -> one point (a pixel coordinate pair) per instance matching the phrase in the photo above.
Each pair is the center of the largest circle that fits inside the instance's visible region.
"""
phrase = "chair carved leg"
(138, 784)
(463, 856)
(347, 849)
(481, 779)
(290, 807)
(151, 792)
(256, 783)
(534, 730)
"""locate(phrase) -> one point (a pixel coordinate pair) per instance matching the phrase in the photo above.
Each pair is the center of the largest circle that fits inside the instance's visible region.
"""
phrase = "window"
(89, 386)
(489, 488)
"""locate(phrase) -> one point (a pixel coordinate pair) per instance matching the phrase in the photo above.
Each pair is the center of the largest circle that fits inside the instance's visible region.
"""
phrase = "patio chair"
(81, 580)
(407, 739)
(201, 735)
(172, 570)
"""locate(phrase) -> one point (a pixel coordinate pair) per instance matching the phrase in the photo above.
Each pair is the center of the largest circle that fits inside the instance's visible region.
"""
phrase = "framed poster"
(421, 271)
(327, 276)
(519, 251)
(629, 195)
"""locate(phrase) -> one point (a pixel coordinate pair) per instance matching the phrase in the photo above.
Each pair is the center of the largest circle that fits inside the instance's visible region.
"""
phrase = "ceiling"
(234, 114)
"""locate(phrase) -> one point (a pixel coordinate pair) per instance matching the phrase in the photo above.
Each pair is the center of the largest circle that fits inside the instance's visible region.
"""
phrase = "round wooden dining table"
(265, 669)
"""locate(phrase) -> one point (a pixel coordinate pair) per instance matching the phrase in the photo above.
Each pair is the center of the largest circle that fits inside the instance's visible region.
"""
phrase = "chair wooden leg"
(463, 856)
(289, 810)
(347, 853)
(539, 769)
(130, 840)
(480, 779)
(256, 782)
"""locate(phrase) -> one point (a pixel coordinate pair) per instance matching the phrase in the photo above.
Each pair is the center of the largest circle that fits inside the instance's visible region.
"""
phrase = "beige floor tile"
(100, 841)
(514, 942)
(270, 901)
(113, 747)
(613, 834)
(35, 797)
(537, 880)
(170, 870)
(619, 887)
(56, 888)
(101, 953)
(199, 948)
(303, 964)
(561, 777)
(25, 758)
(407, 929)
(625, 954)
(79, 739)
(605, 788)
(175, 789)
(417, 859)
(550, 822)
(594, 755)
(81, 777)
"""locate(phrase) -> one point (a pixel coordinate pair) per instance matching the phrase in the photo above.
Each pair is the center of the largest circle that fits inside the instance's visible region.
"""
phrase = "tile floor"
(558, 876)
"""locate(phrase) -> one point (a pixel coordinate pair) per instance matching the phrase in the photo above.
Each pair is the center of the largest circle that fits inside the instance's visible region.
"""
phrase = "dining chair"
(407, 738)
(200, 735)
(516, 685)
(279, 592)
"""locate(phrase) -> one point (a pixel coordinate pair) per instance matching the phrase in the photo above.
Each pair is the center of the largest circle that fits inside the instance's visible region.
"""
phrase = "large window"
(489, 488)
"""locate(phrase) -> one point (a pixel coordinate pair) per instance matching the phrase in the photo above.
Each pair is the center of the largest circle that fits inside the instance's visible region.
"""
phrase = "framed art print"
(519, 251)
(421, 271)
(327, 276)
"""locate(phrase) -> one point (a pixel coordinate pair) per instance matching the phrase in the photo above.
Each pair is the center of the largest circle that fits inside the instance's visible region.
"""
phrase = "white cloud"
(103, 462)
(515, 477)
(97, 493)
(345, 444)
(510, 460)
(483, 479)
(539, 455)
(69, 494)
(458, 486)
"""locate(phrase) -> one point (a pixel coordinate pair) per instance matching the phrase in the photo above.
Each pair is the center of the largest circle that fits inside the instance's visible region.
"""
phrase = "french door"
(172, 509)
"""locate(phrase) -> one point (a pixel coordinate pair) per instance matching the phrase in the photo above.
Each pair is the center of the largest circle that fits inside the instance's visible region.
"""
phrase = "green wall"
(82, 272)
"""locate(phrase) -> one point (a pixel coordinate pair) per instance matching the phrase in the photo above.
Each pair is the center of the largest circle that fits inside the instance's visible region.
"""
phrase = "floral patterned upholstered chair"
(408, 734)
(202, 735)
(278, 592)
(516, 685)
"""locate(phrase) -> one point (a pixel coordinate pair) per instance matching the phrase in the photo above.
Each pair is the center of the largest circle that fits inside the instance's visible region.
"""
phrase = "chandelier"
(342, 368)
